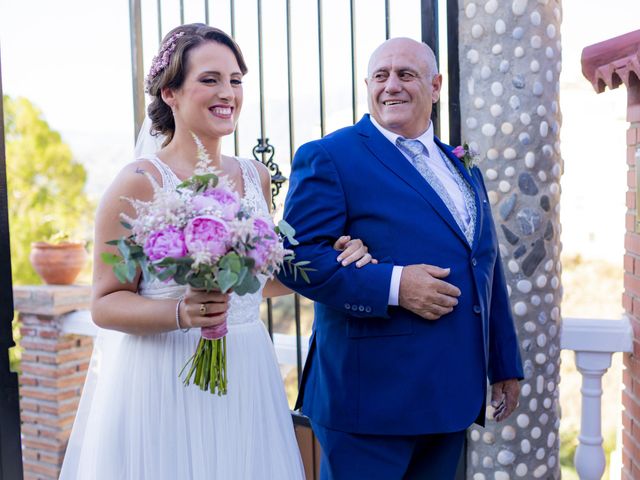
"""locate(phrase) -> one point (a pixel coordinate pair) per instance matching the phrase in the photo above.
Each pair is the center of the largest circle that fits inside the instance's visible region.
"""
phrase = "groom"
(401, 351)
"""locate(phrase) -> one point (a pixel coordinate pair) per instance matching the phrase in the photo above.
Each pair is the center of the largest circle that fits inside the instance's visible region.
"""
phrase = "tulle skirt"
(137, 421)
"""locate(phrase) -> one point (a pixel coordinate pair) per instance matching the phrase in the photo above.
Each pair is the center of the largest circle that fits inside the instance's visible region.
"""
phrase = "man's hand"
(424, 293)
(504, 398)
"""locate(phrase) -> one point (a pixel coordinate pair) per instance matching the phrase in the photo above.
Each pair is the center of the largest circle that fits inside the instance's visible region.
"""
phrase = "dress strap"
(249, 170)
(169, 179)
(252, 185)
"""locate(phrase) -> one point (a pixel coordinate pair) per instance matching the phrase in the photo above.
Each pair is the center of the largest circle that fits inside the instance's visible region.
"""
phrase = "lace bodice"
(242, 309)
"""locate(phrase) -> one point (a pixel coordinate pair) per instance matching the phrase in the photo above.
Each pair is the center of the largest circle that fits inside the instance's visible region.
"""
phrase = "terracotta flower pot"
(58, 263)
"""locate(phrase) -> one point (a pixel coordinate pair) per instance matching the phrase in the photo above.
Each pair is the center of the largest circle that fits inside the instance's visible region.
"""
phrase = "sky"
(72, 59)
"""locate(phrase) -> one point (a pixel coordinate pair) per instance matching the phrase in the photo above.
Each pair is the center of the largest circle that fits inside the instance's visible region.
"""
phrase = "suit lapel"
(468, 176)
(389, 155)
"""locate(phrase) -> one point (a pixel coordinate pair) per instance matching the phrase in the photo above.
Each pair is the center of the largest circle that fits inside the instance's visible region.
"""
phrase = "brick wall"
(53, 369)
(631, 303)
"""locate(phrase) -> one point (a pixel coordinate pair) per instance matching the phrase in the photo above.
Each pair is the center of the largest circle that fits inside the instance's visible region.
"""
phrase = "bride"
(136, 420)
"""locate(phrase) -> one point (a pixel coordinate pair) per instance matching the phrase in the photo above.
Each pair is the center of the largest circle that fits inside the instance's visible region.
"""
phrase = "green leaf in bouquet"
(196, 281)
(167, 273)
(188, 261)
(210, 284)
(112, 242)
(131, 270)
(226, 280)
(181, 274)
(250, 284)
(123, 246)
(231, 261)
(288, 231)
(120, 271)
(110, 258)
(244, 271)
(303, 274)
(126, 225)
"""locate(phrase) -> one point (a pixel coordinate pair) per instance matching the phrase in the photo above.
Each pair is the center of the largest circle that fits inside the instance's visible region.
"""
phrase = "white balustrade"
(593, 341)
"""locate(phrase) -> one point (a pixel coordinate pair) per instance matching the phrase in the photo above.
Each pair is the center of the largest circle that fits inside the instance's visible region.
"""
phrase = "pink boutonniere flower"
(466, 155)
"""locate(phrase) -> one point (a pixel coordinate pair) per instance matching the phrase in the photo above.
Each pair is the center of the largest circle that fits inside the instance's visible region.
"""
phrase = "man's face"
(401, 89)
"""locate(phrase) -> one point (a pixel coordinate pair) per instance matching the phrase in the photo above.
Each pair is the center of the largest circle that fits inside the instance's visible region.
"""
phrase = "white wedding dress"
(137, 421)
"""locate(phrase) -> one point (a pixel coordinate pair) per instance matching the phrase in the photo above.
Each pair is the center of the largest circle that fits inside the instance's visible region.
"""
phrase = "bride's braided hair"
(169, 69)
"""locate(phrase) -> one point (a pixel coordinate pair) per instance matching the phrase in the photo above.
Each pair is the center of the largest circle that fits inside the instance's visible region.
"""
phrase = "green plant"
(45, 186)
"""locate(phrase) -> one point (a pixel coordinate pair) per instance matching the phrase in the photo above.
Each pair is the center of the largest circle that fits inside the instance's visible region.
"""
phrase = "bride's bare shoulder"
(134, 181)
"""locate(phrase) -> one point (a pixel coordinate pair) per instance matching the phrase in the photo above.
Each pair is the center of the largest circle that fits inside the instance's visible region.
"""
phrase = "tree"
(45, 186)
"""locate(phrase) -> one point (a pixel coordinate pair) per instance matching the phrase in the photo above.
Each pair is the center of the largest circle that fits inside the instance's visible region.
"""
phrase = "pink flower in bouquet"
(218, 198)
(168, 242)
(207, 234)
(263, 247)
(459, 151)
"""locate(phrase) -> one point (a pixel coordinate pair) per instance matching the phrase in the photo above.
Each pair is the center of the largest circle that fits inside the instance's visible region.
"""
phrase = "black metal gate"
(305, 92)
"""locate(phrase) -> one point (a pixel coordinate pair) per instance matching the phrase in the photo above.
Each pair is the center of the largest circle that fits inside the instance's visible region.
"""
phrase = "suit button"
(474, 262)
(361, 308)
(347, 306)
(354, 307)
(367, 309)
(477, 310)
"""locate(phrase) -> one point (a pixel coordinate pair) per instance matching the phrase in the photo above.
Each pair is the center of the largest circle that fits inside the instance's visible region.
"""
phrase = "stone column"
(509, 71)
(53, 369)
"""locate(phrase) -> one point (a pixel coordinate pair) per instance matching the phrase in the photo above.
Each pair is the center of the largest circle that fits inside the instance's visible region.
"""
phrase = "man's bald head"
(421, 49)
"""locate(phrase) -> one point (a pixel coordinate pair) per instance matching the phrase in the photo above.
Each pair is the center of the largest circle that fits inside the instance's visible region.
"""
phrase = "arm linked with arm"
(316, 208)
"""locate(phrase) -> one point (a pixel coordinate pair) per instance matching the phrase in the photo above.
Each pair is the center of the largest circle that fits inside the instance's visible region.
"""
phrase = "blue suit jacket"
(377, 369)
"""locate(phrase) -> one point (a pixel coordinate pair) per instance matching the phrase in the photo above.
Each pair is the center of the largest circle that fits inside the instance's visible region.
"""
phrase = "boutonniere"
(466, 155)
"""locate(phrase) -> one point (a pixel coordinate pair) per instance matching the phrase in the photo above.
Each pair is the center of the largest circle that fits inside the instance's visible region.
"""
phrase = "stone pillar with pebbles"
(509, 71)
(53, 368)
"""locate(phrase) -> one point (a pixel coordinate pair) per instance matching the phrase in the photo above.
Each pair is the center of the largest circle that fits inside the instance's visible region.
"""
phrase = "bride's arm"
(116, 305)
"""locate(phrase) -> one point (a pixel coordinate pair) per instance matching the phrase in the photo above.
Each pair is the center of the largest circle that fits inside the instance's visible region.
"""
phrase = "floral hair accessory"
(161, 60)
(466, 155)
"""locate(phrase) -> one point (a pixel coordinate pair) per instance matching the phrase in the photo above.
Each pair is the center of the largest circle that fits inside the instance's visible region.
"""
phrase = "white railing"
(80, 323)
(594, 342)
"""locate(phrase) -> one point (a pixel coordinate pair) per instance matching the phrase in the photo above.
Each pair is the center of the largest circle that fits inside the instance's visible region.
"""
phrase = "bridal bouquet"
(200, 235)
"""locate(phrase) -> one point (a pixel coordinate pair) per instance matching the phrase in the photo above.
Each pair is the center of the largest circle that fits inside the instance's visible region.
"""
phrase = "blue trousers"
(348, 456)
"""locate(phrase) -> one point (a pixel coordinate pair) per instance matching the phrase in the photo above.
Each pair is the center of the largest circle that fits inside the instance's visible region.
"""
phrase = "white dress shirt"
(442, 172)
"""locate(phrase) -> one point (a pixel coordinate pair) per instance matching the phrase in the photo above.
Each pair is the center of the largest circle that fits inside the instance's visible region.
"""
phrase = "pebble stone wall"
(510, 57)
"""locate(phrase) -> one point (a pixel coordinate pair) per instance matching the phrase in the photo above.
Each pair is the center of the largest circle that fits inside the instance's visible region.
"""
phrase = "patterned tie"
(419, 155)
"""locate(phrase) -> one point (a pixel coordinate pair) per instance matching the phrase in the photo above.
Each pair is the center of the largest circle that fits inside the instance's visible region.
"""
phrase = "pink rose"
(267, 240)
(207, 234)
(218, 198)
(459, 151)
(260, 253)
(264, 229)
(165, 243)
